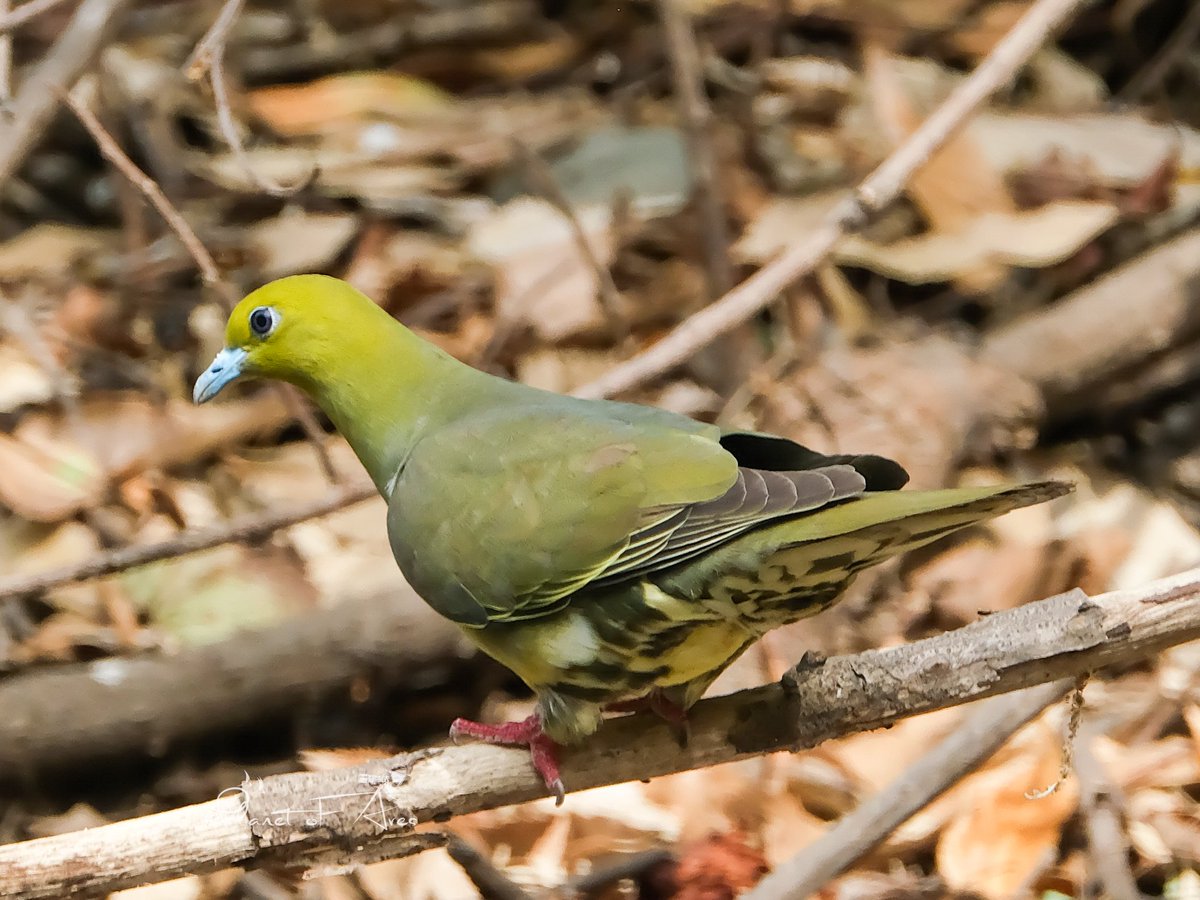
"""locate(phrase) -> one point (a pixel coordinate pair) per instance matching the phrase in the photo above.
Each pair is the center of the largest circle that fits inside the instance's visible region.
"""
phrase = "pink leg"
(543, 752)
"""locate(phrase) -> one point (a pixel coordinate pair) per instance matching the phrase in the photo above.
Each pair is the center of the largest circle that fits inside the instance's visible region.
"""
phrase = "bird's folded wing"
(515, 514)
(756, 497)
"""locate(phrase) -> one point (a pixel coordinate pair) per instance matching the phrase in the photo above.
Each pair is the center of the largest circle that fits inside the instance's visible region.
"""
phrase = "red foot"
(543, 752)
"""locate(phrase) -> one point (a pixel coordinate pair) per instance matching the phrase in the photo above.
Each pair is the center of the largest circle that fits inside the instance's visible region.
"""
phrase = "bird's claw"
(543, 752)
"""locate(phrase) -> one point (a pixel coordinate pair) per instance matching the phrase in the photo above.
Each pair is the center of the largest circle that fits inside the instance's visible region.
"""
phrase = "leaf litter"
(421, 198)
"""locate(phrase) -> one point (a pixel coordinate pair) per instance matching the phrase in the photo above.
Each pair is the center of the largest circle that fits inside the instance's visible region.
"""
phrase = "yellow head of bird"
(293, 329)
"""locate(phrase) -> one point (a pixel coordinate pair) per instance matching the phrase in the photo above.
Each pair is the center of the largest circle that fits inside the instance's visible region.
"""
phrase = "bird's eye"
(262, 321)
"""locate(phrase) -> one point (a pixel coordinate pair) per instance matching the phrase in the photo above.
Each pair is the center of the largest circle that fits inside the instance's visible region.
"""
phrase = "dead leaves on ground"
(421, 196)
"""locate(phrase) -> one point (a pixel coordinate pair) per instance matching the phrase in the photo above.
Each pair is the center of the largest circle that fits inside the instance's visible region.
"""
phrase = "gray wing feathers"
(677, 534)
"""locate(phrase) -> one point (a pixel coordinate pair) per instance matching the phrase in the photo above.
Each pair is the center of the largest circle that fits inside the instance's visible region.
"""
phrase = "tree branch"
(74, 715)
(1098, 334)
(880, 189)
(288, 818)
(697, 121)
(862, 830)
(24, 13)
(247, 528)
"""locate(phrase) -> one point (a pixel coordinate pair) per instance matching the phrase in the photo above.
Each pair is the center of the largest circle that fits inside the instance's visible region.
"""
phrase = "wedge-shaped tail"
(787, 570)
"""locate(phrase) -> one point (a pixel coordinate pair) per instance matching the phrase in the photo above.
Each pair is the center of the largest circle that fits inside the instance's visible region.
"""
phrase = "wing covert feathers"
(756, 496)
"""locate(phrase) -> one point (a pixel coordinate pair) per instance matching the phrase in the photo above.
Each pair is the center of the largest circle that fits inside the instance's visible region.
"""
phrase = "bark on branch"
(303, 818)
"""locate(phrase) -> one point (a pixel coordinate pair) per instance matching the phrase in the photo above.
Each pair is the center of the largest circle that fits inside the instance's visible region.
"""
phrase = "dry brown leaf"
(298, 241)
(978, 576)
(719, 868)
(205, 597)
(25, 381)
(398, 266)
(1191, 715)
(188, 888)
(85, 319)
(519, 62)
(698, 803)
(564, 369)
(877, 758)
(821, 780)
(26, 548)
(52, 466)
(323, 760)
(328, 103)
(998, 836)
(346, 554)
(468, 341)
(432, 875)
(788, 827)
(60, 637)
(339, 887)
(543, 279)
(813, 83)
(1171, 761)
(781, 220)
(46, 248)
(374, 176)
(48, 482)
(77, 818)
(958, 184)
(977, 37)
(1031, 239)
(1063, 85)
(921, 15)
(1121, 148)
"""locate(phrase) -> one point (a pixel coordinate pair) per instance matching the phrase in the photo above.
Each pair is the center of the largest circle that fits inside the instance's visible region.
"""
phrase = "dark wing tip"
(881, 473)
(775, 454)
(1035, 492)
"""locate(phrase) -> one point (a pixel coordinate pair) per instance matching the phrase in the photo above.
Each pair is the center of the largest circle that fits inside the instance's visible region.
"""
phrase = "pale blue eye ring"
(263, 320)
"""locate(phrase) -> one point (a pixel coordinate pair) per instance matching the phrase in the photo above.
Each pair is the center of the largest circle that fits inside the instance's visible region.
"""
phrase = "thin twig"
(629, 865)
(359, 807)
(23, 13)
(153, 193)
(492, 883)
(209, 58)
(698, 122)
(212, 45)
(859, 832)
(880, 189)
(229, 130)
(1173, 50)
(5, 62)
(1108, 847)
(1066, 766)
(547, 185)
(247, 528)
(209, 272)
(94, 23)
(426, 25)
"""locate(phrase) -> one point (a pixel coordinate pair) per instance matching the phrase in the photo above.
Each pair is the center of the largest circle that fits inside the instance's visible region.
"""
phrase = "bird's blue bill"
(226, 367)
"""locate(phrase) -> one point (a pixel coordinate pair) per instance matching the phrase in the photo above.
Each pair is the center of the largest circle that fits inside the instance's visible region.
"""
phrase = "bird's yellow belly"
(706, 647)
(567, 649)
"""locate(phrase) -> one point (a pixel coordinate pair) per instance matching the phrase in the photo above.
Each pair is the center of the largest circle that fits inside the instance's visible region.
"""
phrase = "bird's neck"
(387, 390)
